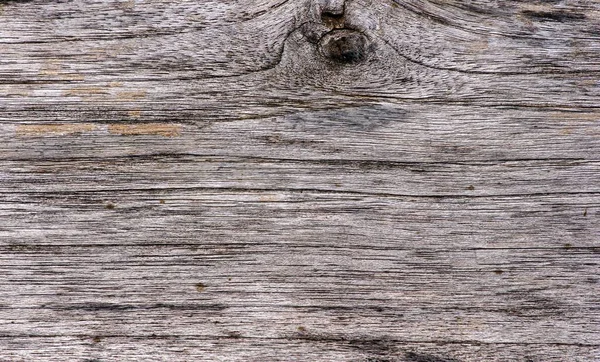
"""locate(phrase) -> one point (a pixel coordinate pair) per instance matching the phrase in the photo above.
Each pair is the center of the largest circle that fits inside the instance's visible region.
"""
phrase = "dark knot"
(344, 46)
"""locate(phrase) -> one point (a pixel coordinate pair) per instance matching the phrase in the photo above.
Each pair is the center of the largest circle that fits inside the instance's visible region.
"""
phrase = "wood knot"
(344, 46)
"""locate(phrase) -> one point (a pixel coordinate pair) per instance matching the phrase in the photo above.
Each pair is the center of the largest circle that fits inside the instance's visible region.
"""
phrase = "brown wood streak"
(221, 180)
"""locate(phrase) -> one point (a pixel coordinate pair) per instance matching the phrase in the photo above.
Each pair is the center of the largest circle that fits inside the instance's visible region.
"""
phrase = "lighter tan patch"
(134, 113)
(152, 129)
(131, 95)
(566, 131)
(39, 130)
(195, 18)
(16, 91)
(589, 82)
(593, 14)
(50, 67)
(48, 72)
(127, 5)
(84, 91)
(53, 68)
(20, 94)
(479, 46)
(120, 49)
(537, 8)
(268, 198)
(71, 76)
(576, 116)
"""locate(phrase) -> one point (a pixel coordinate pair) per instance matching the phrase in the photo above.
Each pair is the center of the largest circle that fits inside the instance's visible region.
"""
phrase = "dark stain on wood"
(418, 357)
(554, 15)
(7, 2)
(234, 335)
(345, 46)
(333, 19)
(378, 359)
(118, 308)
(200, 287)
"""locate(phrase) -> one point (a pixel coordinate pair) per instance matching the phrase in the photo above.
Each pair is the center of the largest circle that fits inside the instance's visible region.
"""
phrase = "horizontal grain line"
(466, 102)
(244, 246)
(317, 338)
(296, 190)
(325, 161)
(510, 106)
(297, 337)
(470, 102)
(105, 37)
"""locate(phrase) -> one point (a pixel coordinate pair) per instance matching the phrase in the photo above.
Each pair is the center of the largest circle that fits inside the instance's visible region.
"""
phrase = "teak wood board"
(295, 180)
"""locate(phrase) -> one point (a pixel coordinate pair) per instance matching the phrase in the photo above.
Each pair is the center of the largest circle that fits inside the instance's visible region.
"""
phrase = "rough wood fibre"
(202, 180)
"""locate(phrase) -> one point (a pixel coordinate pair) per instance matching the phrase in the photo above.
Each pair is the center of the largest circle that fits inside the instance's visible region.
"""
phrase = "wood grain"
(291, 180)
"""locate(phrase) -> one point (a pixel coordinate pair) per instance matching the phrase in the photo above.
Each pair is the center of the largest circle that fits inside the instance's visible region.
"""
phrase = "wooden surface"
(291, 180)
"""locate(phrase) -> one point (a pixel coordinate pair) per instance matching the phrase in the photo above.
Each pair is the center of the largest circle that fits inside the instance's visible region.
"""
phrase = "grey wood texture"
(295, 180)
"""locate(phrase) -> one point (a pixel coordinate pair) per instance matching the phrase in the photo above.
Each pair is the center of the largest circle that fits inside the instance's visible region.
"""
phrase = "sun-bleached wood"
(295, 180)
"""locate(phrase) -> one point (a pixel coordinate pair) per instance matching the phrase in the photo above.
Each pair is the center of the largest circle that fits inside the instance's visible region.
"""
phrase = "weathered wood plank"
(227, 180)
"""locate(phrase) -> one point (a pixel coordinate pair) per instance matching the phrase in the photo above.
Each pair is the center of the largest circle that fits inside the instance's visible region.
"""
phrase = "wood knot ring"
(344, 46)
